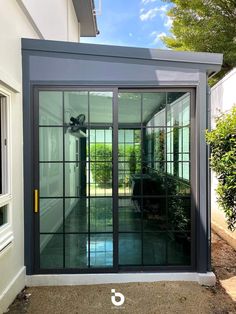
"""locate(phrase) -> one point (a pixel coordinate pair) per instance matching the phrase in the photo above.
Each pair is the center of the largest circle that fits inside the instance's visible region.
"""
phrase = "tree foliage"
(204, 25)
(222, 141)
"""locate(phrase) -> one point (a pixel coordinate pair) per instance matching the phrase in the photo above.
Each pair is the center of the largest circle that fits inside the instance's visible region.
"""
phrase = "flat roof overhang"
(84, 10)
(211, 62)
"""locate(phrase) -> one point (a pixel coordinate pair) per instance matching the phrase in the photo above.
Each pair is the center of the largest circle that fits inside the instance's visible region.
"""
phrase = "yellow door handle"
(36, 201)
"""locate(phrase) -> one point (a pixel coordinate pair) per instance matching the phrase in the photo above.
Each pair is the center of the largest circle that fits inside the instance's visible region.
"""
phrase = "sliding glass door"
(75, 161)
(113, 174)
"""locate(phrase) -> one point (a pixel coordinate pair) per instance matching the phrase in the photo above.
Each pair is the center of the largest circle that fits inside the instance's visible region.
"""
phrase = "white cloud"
(157, 36)
(148, 1)
(169, 21)
(150, 14)
(130, 34)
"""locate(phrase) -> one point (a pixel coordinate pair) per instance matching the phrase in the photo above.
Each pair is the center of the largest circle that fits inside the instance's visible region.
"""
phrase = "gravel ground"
(158, 298)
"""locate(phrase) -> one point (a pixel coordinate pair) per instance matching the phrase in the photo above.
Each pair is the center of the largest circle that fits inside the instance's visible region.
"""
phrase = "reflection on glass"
(50, 108)
(154, 248)
(129, 215)
(154, 109)
(75, 104)
(76, 251)
(75, 179)
(101, 215)
(130, 249)
(51, 179)
(76, 214)
(51, 251)
(76, 146)
(100, 107)
(179, 249)
(50, 144)
(101, 250)
(179, 213)
(154, 213)
(129, 106)
(178, 109)
(51, 215)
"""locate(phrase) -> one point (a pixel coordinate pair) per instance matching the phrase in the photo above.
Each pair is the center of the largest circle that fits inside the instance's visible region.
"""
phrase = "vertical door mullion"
(115, 180)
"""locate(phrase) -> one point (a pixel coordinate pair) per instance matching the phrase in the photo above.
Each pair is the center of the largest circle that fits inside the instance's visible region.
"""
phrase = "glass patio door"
(74, 155)
(114, 172)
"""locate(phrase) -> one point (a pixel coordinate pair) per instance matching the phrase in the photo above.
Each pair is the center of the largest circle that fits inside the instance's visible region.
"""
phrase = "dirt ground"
(158, 298)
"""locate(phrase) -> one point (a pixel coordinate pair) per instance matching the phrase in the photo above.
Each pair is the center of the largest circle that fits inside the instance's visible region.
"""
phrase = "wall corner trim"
(12, 289)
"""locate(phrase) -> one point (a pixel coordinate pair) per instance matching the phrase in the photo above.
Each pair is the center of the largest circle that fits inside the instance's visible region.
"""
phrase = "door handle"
(36, 201)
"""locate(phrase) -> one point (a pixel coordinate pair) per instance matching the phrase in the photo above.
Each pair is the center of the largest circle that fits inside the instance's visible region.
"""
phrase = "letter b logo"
(117, 298)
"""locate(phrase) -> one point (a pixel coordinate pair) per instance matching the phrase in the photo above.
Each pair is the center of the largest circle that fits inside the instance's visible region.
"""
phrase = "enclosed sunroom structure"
(115, 159)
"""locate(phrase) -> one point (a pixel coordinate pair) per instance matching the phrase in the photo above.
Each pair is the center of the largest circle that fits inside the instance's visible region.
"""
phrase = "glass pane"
(130, 249)
(129, 215)
(179, 213)
(51, 215)
(51, 179)
(154, 145)
(50, 108)
(51, 251)
(100, 178)
(129, 108)
(154, 109)
(178, 109)
(100, 107)
(101, 215)
(50, 144)
(154, 248)
(76, 215)
(76, 145)
(177, 185)
(154, 213)
(76, 105)
(75, 179)
(179, 248)
(101, 250)
(76, 251)
(3, 215)
(101, 145)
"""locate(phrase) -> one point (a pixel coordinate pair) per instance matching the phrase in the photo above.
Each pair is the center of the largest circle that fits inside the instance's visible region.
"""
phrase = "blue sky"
(138, 23)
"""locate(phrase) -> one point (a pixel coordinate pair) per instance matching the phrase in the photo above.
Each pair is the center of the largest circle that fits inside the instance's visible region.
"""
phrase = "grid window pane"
(130, 249)
(50, 108)
(51, 215)
(76, 214)
(51, 179)
(76, 251)
(51, 251)
(101, 250)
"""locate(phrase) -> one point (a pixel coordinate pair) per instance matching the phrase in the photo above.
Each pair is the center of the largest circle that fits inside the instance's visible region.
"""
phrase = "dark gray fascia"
(84, 10)
(211, 61)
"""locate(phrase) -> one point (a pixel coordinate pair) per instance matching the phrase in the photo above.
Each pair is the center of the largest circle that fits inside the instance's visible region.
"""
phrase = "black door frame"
(115, 268)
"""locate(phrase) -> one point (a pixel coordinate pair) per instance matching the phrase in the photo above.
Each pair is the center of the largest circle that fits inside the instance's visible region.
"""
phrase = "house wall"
(15, 23)
(60, 26)
(223, 97)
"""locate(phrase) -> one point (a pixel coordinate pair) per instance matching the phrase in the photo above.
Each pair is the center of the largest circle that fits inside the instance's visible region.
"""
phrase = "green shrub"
(222, 141)
(101, 164)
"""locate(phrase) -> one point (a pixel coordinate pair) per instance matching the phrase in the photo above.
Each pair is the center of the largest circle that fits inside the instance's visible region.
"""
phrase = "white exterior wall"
(15, 24)
(55, 19)
(223, 97)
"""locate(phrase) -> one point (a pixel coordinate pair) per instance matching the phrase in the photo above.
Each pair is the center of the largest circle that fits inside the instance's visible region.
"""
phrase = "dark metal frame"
(116, 267)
